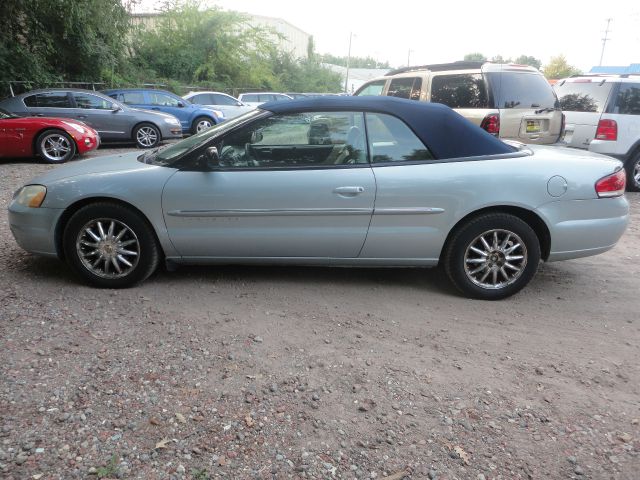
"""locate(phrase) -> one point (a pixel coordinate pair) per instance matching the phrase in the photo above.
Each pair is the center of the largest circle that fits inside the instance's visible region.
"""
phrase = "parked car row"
(143, 116)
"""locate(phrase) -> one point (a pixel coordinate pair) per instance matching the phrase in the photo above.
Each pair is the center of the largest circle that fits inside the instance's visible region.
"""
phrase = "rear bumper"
(581, 228)
(34, 228)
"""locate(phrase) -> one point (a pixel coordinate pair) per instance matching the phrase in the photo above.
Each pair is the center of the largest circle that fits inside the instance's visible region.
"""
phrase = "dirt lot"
(241, 372)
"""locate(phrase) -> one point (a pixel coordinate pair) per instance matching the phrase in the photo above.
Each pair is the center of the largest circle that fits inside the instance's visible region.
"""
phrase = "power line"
(605, 39)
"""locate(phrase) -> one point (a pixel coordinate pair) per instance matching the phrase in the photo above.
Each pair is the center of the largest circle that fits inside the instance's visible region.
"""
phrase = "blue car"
(193, 118)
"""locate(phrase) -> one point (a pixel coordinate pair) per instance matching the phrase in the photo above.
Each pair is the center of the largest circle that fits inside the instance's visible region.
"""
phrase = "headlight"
(31, 195)
(218, 113)
(172, 121)
(76, 127)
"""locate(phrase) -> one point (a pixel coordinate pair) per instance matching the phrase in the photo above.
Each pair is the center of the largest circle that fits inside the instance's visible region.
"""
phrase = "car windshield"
(172, 153)
(5, 114)
(521, 90)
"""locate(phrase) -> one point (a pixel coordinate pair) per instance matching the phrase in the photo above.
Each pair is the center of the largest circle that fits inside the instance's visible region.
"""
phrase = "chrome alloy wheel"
(147, 136)
(495, 259)
(55, 147)
(203, 125)
(108, 248)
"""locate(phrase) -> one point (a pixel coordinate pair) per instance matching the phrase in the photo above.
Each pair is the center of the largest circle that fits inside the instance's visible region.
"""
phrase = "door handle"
(348, 190)
(155, 108)
(82, 116)
(39, 115)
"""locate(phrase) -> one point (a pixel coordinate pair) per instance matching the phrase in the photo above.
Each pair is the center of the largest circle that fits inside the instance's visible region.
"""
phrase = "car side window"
(223, 100)
(48, 100)
(132, 98)
(201, 99)
(163, 100)
(303, 140)
(405, 88)
(391, 140)
(88, 101)
(372, 88)
(251, 98)
(460, 90)
(628, 101)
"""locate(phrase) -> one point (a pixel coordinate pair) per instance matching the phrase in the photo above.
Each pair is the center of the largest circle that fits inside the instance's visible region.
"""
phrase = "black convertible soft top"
(445, 132)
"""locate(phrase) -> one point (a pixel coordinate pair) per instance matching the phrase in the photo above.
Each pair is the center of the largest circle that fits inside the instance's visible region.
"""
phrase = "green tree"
(558, 67)
(528, 60)
(221, 49)
(475, 57)
(47, 40)
(354, 62)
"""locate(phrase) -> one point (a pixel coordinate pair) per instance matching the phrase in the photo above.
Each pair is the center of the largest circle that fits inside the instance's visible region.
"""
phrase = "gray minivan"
(510, 101)
(114, 121)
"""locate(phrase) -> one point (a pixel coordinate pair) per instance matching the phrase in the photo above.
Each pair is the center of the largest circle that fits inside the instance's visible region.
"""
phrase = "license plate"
(533, 126)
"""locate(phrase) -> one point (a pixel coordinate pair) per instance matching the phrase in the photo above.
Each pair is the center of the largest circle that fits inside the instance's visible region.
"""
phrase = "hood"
(124, 162)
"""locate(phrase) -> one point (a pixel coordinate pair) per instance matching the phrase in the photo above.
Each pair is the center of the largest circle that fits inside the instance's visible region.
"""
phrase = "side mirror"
(239, 104)
(208, 160)
(180, 105)
(115, 108)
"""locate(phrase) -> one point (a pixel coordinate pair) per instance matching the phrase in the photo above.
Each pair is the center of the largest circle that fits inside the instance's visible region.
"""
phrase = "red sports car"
(55, 140)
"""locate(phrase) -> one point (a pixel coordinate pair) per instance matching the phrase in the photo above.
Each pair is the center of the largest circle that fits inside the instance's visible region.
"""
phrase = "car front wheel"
(492, 256)
(55, 146)
(200, 124)
(147, 135)
(633, 173)
(110, 245)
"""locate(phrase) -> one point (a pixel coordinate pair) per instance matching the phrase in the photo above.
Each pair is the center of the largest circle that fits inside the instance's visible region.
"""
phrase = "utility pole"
(346, 79)
(605, 39)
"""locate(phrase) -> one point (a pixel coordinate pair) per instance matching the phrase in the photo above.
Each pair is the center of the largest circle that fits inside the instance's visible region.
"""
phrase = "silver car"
(114, 121)
(391, 183)
(230, 106)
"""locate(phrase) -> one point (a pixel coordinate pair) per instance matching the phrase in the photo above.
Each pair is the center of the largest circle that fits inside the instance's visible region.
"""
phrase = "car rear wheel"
(147, 135)
(633, 173)
(55, 146)
(110, 245)
(492, 256)
(200, 124)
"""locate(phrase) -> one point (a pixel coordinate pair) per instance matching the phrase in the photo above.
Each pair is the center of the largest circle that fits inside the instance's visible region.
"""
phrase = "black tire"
(632, 167)
(139, 238)
(147, 135)
(458, 253)
(55, 146)
(200, 124)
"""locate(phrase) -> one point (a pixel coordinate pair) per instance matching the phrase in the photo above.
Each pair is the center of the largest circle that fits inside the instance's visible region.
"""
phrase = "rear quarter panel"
(460, 188)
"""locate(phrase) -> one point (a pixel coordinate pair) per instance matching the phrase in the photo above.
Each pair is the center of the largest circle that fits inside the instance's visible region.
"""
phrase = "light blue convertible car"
(359, 181)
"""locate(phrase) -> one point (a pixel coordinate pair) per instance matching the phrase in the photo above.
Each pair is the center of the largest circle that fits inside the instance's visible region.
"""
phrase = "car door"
(276, 194)
(414, 199)
(16, 136)
(102, 115)
(169, 104)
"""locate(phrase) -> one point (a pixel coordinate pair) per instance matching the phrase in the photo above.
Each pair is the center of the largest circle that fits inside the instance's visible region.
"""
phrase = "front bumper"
(170, 131)
(34, 228)
(581, 228)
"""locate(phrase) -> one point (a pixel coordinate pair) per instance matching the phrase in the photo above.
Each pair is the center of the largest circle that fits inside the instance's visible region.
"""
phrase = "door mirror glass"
(180, 104)
(115, 108)
(207, 160)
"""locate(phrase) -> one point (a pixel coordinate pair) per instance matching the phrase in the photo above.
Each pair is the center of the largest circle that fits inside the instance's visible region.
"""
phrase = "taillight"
(612, 185)
(607, 130)
(491, 123)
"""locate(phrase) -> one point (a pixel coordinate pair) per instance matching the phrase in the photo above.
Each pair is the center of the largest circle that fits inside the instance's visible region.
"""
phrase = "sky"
(433, 32)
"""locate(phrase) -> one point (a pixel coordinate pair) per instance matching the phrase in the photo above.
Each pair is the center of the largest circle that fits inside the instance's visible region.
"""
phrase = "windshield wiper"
(544, 110)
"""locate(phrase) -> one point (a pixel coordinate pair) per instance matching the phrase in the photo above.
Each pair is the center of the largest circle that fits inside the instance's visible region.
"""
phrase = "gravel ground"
(242, 372)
